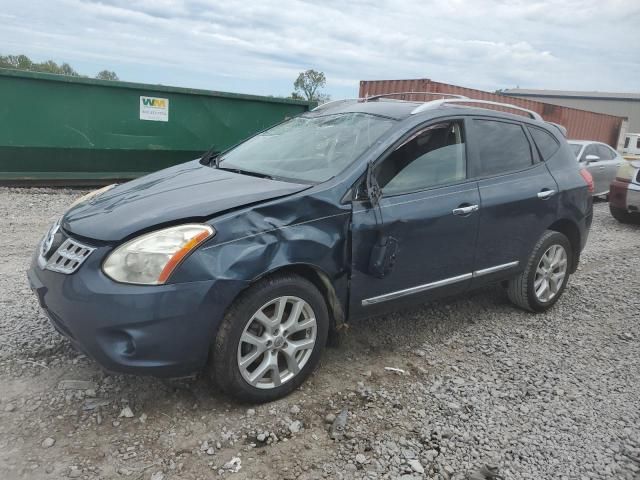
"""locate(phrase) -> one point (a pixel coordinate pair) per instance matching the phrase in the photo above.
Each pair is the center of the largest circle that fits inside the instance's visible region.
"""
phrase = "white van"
(631, 144)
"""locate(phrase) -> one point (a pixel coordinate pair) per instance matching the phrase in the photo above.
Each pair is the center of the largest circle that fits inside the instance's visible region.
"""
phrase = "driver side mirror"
(592, 158)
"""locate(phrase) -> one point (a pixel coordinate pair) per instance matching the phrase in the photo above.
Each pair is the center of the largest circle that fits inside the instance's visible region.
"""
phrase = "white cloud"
(260, 46)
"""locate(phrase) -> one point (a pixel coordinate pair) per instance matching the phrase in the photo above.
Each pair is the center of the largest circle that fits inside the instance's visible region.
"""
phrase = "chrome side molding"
(420, 288)
(440, 283)
(497, 268)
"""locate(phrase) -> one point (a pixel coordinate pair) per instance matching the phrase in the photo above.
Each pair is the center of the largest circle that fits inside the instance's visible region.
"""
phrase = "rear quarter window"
(546, 143)
(502, 147)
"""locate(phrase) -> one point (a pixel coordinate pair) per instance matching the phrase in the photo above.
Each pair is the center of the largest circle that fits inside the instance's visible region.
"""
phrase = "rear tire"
(261, 352)
(549, 264)
(623, 216)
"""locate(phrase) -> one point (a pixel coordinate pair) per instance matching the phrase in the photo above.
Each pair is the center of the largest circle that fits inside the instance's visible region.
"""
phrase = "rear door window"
(502, 147)
(547, 145)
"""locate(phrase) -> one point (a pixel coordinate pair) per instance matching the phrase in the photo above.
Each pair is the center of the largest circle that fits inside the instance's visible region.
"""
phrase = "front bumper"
(161, 330)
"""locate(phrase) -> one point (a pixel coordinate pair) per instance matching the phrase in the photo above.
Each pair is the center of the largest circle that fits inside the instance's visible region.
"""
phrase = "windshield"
(308, 149)
(576, 147)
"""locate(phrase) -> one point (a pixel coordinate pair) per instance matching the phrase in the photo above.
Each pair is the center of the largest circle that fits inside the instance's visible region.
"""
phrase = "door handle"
(546, 193)
(465, 210)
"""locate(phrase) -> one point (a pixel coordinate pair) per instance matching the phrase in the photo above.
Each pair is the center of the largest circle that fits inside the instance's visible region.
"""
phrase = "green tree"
(107, 75)
(307, 86)
(22, 62)
(19, 62)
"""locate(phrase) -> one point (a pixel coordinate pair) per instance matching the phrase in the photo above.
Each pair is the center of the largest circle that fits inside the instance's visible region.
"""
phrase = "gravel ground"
(483, 391)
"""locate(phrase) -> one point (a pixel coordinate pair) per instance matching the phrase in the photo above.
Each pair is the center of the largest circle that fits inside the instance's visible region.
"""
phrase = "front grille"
(68, 257)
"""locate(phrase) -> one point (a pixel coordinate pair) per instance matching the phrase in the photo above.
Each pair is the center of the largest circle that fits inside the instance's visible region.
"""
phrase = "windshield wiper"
(244, 172)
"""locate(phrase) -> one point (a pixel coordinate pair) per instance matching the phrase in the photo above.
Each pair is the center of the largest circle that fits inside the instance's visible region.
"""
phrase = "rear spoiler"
(562, 129)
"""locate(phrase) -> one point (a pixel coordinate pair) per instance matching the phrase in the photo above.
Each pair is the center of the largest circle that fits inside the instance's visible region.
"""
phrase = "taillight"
(588, 179)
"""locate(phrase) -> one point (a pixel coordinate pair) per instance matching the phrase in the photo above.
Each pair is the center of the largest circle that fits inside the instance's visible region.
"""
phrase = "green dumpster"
(70, 130)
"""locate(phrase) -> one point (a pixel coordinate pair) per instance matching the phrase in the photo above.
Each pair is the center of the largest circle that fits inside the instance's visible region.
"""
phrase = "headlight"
(90, 195)
(151, 258)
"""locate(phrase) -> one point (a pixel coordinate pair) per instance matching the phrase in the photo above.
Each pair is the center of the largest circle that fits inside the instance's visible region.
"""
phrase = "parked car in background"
(624, 198)
(244, 261)
(631, 144)
(600, 160)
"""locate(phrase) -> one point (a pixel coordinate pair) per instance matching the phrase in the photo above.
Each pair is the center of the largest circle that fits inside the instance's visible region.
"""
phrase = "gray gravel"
(483, 390)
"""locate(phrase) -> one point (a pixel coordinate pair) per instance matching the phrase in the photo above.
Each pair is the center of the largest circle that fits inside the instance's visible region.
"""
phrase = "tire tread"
(223, 357)
(518, 287)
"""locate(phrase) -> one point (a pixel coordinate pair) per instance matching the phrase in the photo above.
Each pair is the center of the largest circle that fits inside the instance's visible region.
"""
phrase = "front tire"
(623, 216)
(271, 339)
(545, 276)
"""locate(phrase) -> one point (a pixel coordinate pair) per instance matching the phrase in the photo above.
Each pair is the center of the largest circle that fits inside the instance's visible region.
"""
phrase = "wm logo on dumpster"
(155, 109)
(154, 102)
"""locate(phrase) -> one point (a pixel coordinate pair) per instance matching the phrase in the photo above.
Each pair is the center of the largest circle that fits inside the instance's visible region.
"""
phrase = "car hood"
(189, 191)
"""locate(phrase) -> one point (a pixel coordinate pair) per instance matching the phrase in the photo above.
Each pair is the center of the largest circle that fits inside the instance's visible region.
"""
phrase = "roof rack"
(435, 94)
(437, 103)
(562, 128)
(335, 102)
(385, 95)
(431, 104)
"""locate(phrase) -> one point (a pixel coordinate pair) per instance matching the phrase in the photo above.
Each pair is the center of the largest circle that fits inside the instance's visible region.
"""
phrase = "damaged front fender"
(307, 234)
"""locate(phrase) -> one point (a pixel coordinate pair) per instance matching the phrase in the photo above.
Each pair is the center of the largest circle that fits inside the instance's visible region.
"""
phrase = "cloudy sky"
(259, 47)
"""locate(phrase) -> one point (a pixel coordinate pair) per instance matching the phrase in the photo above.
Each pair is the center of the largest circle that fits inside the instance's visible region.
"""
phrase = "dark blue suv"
(244, 262)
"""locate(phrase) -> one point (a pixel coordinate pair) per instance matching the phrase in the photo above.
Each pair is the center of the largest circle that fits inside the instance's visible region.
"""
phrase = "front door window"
(432, 157)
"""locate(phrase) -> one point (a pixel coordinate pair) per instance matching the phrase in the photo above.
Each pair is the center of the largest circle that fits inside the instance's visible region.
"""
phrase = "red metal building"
(580, 124)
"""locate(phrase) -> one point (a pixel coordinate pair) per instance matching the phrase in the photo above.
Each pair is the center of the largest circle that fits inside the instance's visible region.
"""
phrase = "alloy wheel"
(277, 342)
(550, 273)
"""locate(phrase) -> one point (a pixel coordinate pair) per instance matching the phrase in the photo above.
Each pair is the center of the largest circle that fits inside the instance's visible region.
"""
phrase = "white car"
(600, 160)
(631, 144)
(624, 200)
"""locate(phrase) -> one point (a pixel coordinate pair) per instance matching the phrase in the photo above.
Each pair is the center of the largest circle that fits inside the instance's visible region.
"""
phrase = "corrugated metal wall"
(580, 124)
(618, 107)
